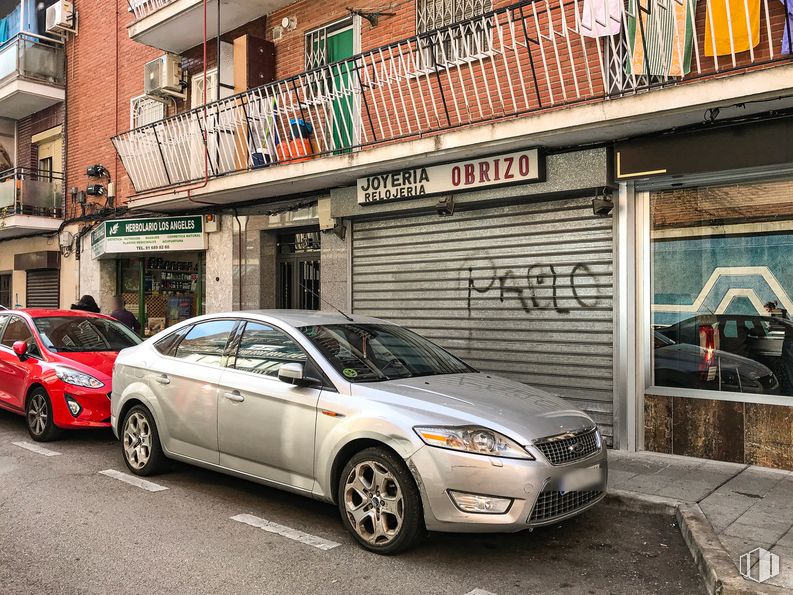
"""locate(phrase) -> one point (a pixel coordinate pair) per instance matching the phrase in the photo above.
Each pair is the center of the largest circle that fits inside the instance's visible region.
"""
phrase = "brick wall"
(94, 111)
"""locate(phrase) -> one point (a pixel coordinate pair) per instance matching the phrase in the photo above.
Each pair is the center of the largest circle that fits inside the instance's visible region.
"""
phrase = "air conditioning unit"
(60, 17)
(163, 77)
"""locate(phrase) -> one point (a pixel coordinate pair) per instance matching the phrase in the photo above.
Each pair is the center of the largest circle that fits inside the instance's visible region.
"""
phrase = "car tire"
(39, 418)
(379, 502)
(140, 443)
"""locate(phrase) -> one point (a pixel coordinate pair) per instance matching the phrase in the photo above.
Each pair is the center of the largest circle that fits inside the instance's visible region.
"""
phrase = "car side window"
(263, 349)
(206, 342)
(167, 345)
(18, 330)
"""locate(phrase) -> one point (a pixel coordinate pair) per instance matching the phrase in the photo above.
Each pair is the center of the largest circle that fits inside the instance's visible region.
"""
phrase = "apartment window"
(144, 110)
(197, 84)
(468, 41)
(722, 288)
(5, 290)
(45, 169)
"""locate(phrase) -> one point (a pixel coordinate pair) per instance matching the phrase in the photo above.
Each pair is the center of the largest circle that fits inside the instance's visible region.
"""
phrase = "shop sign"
(166, 234)
(500, 170)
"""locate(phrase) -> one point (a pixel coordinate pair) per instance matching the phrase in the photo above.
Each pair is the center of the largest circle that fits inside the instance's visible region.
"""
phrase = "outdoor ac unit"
(163, 77)
(60, 17)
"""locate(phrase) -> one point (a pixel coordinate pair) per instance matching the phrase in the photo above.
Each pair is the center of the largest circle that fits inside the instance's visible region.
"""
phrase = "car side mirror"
(294, 373)
(21, 349)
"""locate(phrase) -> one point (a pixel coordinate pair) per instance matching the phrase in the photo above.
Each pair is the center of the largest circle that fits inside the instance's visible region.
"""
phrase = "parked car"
(401, 435)
(56, 366)
(691, 366)
(759, 338)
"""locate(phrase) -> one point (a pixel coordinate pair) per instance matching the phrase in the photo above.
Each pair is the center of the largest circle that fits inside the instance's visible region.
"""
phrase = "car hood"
(91, 362)
(520, 411)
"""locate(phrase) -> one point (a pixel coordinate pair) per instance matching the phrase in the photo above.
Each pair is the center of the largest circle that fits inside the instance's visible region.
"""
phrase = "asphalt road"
(66, 528)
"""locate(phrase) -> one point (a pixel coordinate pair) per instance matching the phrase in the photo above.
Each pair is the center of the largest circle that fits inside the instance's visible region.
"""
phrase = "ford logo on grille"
(577, 448)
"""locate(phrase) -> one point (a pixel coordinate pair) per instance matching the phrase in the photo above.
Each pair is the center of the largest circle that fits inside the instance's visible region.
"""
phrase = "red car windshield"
(82, 334)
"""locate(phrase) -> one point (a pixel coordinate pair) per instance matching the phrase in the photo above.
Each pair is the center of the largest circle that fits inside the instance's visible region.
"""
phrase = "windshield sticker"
(350, 372)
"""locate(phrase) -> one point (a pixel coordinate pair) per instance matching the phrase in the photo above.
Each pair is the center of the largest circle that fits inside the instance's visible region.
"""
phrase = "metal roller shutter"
(522, 291)
(43, 289)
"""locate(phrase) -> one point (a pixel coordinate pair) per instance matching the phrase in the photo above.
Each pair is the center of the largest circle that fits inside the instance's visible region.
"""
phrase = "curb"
(713, 561)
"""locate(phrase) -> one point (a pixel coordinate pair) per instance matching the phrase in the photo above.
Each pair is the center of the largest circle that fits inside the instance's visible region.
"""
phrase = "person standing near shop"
(87, 303)
(123, 315)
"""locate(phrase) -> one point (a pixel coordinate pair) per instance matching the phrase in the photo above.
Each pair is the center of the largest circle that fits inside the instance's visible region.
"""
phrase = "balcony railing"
(26, 57)
(530, 56)
(26, 191)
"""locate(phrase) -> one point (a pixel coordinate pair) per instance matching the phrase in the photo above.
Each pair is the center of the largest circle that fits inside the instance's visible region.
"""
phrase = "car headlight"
(77, 378)
(472, 439)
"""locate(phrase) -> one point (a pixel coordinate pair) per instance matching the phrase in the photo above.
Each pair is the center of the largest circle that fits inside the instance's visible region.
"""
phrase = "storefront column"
(219, 270)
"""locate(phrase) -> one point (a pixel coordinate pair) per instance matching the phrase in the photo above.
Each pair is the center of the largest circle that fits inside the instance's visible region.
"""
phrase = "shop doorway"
(298, 265)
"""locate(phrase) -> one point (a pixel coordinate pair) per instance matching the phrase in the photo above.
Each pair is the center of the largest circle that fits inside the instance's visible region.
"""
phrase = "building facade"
(588, 197)
(33, 270)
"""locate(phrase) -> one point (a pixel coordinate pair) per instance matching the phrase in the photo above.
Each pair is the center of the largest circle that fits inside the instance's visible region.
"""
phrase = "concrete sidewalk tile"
(787, 540)
(617, 477)
(738, 546)
(752, 532)
(687, 490)
(785, 577)
(724, 509)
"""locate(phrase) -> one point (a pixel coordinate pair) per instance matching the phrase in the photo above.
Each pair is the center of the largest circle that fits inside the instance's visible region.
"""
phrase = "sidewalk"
(747, 507)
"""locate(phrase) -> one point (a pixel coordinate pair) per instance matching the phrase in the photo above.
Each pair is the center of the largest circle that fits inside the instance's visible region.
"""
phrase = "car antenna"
(319, 297)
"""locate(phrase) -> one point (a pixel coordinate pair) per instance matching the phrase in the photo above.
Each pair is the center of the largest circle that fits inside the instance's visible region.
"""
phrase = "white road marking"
(134, 481)
(478, 591)
(36, 448)
(288, 532)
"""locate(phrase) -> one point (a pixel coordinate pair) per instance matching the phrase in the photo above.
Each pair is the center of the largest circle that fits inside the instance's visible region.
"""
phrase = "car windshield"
(81, 334)
(377, 352)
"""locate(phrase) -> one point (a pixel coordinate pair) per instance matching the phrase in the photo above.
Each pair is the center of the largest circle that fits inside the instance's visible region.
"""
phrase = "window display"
(722, 283)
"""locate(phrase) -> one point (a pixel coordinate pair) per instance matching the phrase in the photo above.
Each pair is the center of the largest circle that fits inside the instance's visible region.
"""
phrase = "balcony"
(31, 201)
(178, 25)
(532, 58)
(32, 76)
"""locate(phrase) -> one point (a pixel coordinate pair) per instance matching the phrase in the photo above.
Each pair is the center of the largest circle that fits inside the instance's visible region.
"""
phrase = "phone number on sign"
(153, 248)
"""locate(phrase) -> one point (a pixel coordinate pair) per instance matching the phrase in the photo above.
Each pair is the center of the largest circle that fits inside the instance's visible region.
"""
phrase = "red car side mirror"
(21, 349)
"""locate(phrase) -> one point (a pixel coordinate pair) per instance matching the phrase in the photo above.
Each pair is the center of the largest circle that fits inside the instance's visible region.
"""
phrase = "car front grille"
(569, 447)
(553, 504)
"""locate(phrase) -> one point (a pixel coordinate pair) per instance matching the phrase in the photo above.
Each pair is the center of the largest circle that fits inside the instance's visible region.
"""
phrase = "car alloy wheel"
(38, 414)
(137, 440)
(374, 503)
(39, 417)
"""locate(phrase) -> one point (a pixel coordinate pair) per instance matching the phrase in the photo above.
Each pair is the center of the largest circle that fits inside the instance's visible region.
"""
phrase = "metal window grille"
(454, 45)
(197, 83)
(144, 110)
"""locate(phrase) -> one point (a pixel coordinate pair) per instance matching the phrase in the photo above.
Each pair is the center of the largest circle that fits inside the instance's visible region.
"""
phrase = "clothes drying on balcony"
(660, 35)
(9, 25)
(787, 35)
(601, 18)
(731, 26)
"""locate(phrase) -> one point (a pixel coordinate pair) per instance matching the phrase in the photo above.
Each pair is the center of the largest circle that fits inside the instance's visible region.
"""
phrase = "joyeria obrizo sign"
(499, 170)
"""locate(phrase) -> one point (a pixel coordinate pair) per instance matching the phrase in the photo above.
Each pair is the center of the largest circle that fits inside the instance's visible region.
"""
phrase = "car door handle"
(163, 379)
(235, 396)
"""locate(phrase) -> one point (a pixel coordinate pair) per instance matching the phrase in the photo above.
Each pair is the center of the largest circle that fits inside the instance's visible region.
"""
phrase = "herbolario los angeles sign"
(499, 170)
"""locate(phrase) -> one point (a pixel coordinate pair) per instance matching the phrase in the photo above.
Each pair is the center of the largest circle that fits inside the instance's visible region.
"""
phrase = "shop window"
(263, 349)
(469, 41)
(722, 288)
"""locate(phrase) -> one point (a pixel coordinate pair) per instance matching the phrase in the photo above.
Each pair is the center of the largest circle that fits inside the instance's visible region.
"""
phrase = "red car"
(56, 367)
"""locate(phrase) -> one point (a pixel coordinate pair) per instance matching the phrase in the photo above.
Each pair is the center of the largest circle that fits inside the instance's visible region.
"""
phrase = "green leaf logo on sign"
(114, 229)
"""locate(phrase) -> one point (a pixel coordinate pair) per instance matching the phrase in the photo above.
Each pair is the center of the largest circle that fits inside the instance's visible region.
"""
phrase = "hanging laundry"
(787, 36)
(731, 26)
(659, 43)
(601, 18)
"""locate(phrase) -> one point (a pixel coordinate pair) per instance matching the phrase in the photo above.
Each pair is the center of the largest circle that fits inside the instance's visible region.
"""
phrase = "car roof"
(298, 318)
(45, 313)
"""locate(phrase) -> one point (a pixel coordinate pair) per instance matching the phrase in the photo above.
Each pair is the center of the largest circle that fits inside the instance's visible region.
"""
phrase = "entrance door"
(299, 271)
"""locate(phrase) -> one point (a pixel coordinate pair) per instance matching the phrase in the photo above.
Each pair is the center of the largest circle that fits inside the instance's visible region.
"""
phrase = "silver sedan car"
(401, 435)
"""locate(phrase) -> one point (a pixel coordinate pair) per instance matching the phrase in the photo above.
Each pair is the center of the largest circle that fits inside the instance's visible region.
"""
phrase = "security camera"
(445, 206)
(602, 206)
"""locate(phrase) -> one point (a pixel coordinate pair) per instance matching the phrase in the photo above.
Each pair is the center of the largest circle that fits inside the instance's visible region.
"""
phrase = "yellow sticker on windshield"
(350, 372)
